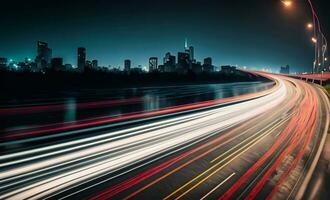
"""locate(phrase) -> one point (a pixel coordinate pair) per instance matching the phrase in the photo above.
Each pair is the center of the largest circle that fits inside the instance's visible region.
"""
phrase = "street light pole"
(315, 63)
(320, 36)
(319, 40)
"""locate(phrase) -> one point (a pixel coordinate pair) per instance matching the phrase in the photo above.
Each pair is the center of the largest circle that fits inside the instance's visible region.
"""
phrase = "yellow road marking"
(254, 141)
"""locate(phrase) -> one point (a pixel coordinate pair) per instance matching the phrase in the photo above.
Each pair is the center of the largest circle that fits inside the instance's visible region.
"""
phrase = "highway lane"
(249, 148)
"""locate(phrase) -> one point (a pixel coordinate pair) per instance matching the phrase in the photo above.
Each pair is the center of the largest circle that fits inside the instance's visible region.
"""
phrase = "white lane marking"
(223, 182)
(236, 114)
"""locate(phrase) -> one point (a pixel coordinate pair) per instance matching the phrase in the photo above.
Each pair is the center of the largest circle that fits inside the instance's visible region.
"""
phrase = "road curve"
(253, 146)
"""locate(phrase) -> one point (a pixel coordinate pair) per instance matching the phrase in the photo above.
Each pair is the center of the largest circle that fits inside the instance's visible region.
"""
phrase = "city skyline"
(40, 45)
(120, 64)
(44, 61)
(116, 31)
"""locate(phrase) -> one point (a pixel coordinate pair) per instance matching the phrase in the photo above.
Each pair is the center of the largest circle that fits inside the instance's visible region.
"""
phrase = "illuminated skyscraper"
(169, 62)
(153, 64)
(186, 44)
(190, 51)
(81, 59)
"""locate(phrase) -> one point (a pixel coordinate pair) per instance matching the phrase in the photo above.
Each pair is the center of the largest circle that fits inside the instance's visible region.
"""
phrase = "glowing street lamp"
(319, 39)
(310, 26)
(314, 40)
(287, 3)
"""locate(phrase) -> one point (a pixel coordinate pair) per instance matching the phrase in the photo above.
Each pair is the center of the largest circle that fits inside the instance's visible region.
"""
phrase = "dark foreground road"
(262, 145)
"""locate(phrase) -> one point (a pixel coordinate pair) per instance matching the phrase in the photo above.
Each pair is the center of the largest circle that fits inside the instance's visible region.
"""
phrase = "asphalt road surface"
(260, 145)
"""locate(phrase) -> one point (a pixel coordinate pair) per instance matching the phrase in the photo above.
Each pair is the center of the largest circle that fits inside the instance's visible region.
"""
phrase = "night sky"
(254, 33)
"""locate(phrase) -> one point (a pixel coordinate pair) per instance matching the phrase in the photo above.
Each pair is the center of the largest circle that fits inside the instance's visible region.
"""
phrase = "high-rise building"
(191, 57)
(3, 63)
(153, 64)
(95, 64)
(183, 62)
(208, 61)
(207, 66)
(192, 54)
(191, 51)
(169, 59)
(44, 55)
(183, 58)
(88, 65)
(186, 44)
(169, 62)
(127, 65)
(81, 63)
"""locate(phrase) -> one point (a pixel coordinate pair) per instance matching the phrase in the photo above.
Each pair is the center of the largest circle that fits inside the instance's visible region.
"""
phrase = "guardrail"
(321, 78)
